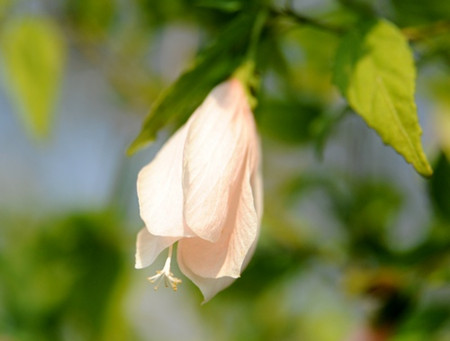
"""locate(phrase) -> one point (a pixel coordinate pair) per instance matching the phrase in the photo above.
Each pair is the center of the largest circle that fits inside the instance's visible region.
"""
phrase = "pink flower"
(204, 190)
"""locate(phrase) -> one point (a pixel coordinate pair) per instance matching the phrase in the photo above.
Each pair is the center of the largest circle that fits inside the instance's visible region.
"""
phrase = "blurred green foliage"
(297, 120)
(440, 187)
(413, 12)
(34, 54)
(91, 19)
(62, 276)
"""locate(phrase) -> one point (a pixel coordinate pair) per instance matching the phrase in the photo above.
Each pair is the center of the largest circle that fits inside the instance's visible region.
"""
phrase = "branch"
(302, 19)
(423, 32)
(416, 33)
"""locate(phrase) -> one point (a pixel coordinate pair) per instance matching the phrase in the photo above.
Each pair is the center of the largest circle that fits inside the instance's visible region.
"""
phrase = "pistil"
(169, 278)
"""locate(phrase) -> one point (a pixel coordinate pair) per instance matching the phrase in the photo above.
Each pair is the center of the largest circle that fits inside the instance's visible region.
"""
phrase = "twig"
(302, 19)
(418, 33)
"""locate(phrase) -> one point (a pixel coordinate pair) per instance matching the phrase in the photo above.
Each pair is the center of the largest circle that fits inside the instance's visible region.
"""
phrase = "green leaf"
(439, 186)
(375, 71)
(212, 66)
(34, 54)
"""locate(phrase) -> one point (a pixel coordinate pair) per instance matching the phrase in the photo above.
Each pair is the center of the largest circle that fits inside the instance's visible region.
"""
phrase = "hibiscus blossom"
(204, 190)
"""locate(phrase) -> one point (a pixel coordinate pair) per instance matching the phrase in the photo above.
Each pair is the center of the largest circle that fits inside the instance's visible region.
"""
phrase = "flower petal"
(214, 151)
(256, 180)
(148, 247)
(160, 190)
(211, 286)
(226, 256)
(208, 286)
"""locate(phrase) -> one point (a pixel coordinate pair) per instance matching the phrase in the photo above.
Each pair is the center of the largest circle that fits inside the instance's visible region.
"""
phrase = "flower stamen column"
(169, 278)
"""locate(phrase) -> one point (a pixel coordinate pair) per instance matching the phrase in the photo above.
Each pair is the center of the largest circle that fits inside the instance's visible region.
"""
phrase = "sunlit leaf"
(211, 67)
(33, 51)
(375, 71)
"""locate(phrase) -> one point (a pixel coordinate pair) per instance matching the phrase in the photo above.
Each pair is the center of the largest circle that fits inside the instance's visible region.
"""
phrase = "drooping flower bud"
(204, 190)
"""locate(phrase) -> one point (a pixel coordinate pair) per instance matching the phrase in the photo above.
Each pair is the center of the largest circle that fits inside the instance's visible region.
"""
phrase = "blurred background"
(354, 246)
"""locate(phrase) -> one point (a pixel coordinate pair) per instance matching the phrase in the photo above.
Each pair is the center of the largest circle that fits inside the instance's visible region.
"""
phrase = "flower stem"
(169, 256)
(257, 28)
(165, 274)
